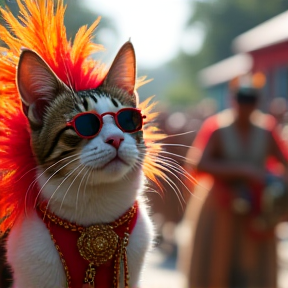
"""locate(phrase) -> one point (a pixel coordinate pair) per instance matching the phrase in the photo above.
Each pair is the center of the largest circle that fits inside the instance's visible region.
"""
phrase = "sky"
(155, 27)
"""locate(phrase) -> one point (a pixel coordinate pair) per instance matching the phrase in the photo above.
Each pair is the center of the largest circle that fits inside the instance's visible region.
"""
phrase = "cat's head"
(96, 131)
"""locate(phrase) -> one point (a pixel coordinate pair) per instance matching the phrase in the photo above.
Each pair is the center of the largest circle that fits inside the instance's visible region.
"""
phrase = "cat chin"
(116, 163)
(113, 171)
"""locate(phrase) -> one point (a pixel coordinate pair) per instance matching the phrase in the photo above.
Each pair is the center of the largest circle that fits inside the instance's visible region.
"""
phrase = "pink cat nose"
(114, 140)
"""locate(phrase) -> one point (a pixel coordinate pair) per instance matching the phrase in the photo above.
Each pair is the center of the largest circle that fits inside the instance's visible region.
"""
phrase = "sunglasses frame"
(71, 123)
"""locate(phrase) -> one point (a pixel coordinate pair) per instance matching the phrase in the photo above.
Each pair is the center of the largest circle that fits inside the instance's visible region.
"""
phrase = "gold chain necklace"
(97, 244)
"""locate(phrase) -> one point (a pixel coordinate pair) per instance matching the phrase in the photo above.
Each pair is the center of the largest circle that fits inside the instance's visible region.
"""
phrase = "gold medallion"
(97, 244)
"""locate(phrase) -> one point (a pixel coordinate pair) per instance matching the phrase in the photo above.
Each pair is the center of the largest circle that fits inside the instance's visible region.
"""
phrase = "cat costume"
(75, 149)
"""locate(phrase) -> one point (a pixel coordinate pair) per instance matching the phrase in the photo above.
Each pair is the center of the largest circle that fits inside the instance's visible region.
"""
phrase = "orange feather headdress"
(40, 27)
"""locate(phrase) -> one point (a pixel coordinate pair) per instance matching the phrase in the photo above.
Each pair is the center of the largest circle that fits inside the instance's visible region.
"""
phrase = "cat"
(80, 139)
(83, 181)
(76, 149)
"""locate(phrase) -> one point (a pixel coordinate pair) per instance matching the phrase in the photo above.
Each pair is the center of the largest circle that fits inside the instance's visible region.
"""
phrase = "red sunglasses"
(89, 124)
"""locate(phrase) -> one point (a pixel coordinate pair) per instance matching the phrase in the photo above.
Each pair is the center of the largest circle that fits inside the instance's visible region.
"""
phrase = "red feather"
(40, 27)
(18, 163)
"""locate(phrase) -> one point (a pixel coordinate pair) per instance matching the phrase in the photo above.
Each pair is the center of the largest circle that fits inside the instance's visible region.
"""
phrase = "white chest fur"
(33, 256)
(36, 262)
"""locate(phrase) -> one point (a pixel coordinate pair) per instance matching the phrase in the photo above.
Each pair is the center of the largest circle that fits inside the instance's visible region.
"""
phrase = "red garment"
(77, 266)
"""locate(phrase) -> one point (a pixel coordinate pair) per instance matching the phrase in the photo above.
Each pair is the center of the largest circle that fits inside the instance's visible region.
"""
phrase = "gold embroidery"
(97, 244)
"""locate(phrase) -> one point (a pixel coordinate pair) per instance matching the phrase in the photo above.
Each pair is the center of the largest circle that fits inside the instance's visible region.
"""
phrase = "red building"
(266, 45)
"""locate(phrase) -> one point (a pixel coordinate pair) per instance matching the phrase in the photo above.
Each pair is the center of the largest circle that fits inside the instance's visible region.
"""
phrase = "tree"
(222, 21)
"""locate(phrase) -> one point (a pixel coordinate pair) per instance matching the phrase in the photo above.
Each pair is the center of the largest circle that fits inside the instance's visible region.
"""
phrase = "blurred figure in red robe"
(232, 214)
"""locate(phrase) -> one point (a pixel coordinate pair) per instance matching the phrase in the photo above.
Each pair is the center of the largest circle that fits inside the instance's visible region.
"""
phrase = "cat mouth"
(115, 161)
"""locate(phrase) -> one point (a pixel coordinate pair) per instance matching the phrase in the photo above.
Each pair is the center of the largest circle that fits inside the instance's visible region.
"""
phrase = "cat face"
(50, 106)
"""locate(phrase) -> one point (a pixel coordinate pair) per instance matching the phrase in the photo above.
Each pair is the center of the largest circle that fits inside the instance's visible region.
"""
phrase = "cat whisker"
(74, 96)
(175, 155)
(72, 182)
(180, 134)
(173, 165)
(51, 166)
(178, 167)
(35, 168)
(187, 160)
(170, 144)
(61, 183)
(126, 176)
(171, 183)
(176, 189)
(78, 190)
(41, 189)
(154, 191)
(87, 180)
(181, 171)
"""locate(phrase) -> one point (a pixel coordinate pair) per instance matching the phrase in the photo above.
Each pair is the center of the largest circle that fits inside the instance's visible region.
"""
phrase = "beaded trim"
(74, 227)
(97, 244)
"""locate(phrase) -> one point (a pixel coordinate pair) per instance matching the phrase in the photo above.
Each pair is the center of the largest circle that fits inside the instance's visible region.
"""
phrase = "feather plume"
(40, 27)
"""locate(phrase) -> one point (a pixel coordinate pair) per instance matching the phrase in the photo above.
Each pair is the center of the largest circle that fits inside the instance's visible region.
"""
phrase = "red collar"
(91, 255)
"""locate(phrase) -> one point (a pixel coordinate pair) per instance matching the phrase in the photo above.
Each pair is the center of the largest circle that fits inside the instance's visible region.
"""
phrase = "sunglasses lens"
(130, 120)
(87, 124)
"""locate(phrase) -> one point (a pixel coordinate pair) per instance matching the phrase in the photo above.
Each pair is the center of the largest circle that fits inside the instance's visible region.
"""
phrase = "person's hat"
(247, 95)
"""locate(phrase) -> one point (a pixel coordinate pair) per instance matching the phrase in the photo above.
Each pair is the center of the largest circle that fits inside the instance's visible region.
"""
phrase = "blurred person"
(233, 242)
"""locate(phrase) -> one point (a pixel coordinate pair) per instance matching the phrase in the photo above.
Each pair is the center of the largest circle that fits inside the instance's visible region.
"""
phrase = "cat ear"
(37, 85)
(122, 72)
